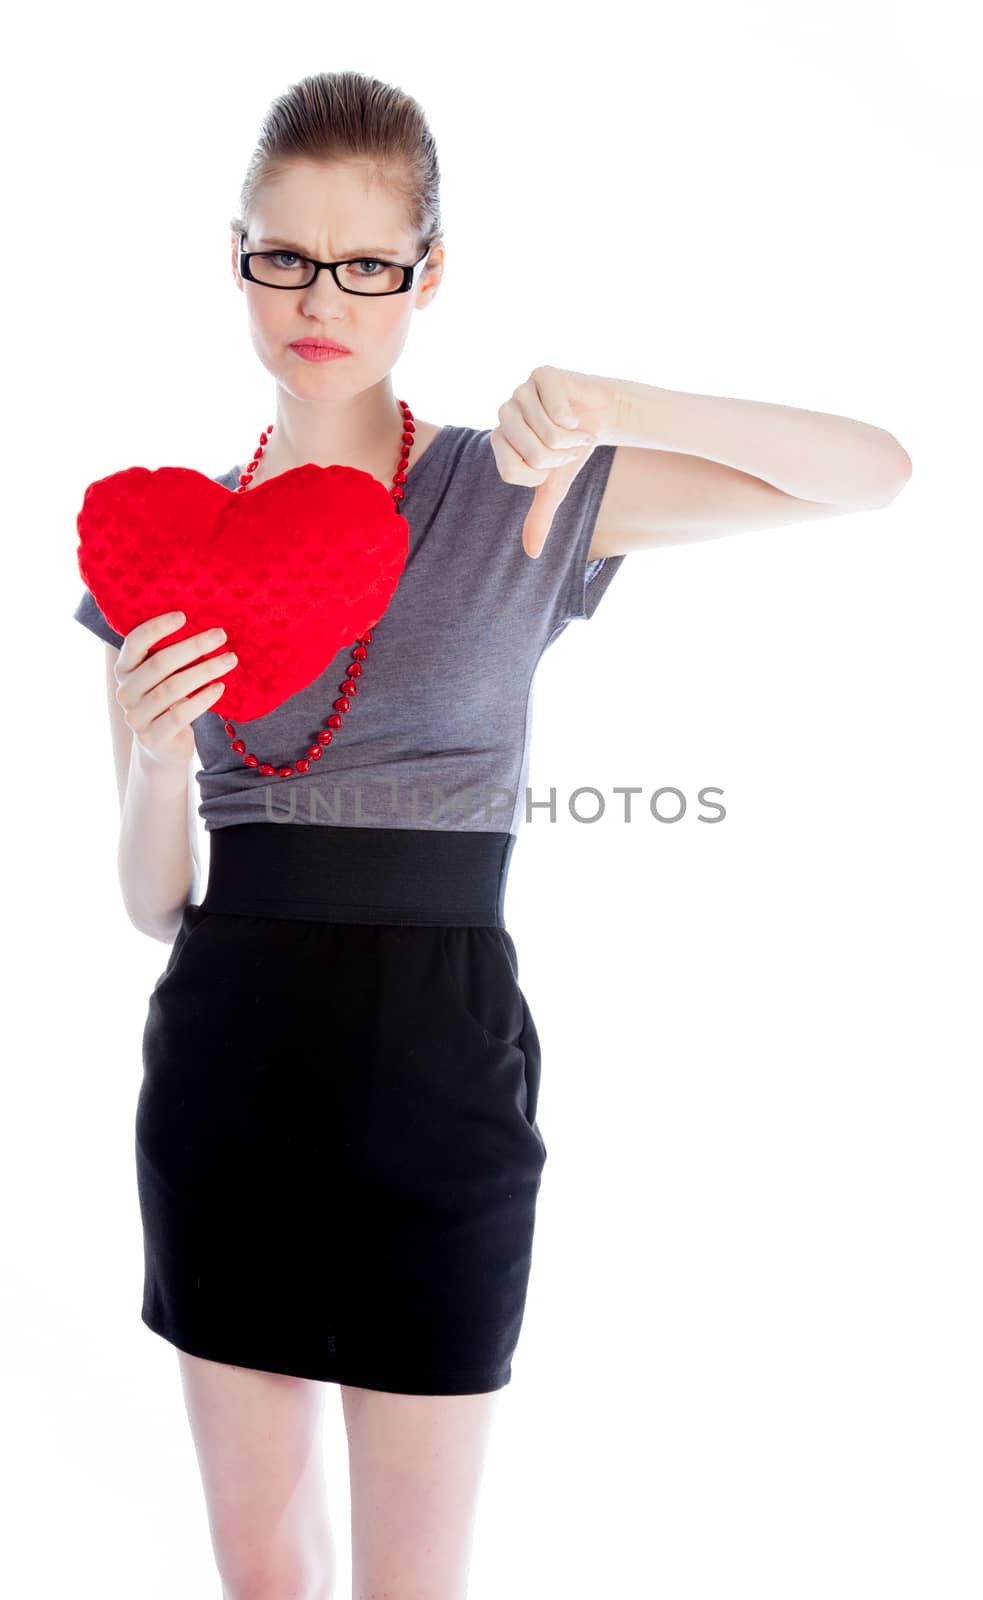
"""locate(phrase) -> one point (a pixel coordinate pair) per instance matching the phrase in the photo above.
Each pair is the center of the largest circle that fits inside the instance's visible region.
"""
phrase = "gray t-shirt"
(439, 733)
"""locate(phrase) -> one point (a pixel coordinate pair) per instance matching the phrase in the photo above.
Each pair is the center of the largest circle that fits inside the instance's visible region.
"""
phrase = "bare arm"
(158, 858)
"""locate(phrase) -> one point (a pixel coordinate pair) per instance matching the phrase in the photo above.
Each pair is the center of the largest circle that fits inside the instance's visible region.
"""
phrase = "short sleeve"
(584, 582)
(88, 613)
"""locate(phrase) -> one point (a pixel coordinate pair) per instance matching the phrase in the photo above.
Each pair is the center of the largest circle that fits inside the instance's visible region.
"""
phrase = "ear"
(430, 278)
(236, 274)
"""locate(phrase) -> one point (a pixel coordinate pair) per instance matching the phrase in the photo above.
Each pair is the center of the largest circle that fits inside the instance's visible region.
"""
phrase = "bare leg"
(415, 1465)
(258, 1441)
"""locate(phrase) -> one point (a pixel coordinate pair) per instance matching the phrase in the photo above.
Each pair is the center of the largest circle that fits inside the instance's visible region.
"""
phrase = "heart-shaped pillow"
(293, 569)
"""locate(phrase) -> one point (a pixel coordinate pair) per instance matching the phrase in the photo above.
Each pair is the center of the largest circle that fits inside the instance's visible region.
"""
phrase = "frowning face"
(332, 212)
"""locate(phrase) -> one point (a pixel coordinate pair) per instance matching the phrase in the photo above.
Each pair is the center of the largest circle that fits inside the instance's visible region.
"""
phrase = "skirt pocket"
(192, 918)
(482, 970)
(484, 982)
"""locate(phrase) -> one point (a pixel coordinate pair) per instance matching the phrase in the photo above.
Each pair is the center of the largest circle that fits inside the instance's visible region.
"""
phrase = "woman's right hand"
(157, 691)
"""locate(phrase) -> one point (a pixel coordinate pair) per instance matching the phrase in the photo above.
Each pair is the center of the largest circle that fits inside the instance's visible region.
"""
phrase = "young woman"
(338, 1155)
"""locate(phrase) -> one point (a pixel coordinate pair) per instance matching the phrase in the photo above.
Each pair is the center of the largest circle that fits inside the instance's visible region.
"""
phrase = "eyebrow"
(366, 250)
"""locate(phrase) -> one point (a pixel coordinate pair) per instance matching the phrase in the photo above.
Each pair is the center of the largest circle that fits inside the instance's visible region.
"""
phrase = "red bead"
(349, 686)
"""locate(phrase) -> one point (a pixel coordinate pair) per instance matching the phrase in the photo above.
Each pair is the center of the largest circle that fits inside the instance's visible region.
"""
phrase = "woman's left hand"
(546, 431)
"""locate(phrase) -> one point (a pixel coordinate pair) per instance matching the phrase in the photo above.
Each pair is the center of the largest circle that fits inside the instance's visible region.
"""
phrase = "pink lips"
(319, 350)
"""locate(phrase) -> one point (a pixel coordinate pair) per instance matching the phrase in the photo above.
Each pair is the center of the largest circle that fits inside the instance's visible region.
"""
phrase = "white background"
(750, 1361)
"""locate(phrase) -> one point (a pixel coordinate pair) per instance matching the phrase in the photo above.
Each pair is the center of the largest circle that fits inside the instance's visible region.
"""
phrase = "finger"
(146, 634)
(536, 441)
(160, 677)
(165, 658)
(539, 518)
(163, 719)
(549, 495)
(550, 410)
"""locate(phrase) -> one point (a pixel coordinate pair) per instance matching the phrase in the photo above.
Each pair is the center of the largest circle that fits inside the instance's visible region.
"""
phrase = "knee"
(286, 1583)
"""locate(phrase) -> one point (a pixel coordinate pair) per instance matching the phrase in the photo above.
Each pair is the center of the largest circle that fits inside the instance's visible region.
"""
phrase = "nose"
(324, 293)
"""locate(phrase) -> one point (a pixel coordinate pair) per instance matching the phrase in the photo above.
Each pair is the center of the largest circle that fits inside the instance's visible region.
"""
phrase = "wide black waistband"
(336, 874)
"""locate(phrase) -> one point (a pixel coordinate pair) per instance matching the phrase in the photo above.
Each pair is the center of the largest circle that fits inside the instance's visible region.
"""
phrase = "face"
(332, 212)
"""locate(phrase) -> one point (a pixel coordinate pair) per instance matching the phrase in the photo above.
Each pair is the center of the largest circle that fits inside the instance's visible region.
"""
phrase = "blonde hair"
(347, 116)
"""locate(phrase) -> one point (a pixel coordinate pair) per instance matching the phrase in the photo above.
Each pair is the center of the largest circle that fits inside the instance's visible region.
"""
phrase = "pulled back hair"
(347, 116)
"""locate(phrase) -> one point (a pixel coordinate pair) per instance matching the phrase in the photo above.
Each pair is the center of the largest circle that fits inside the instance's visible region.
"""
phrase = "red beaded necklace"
(348, 686)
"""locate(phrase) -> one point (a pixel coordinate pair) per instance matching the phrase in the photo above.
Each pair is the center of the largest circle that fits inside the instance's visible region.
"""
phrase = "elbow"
(164, 929)
(154, 924)
(890, 480)
(906, 463)
(148, 916)
(901, 469)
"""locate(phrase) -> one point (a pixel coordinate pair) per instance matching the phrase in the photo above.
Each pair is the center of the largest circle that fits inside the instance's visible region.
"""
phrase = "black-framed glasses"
(285, 269)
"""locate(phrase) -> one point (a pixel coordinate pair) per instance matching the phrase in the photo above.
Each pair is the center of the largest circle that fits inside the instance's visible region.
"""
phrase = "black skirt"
(337, 1151)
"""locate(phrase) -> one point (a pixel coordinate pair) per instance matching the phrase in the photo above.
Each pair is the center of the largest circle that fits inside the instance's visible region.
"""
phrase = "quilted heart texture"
(293, 569)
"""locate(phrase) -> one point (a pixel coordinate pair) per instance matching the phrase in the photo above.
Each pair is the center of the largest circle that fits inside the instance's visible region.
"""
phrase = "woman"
(338, 1156)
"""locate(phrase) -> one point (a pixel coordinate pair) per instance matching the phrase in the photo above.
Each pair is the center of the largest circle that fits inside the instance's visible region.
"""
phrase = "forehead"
(329, 210)
(263, 241)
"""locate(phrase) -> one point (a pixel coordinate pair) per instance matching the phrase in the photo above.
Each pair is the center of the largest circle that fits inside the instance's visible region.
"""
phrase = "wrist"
(639, 413)
(606, 407)
(169, 777)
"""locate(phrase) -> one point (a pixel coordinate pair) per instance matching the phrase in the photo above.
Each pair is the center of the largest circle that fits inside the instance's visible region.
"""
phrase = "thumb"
(548, 496)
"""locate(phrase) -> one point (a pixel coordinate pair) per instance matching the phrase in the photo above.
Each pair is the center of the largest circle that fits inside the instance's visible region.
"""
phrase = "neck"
(365, 432)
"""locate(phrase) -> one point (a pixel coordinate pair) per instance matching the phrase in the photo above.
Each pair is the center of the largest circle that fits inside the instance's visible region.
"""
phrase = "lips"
(320, 344)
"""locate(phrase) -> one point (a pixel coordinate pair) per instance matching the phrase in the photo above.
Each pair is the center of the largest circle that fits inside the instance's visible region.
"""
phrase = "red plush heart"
(293, 569)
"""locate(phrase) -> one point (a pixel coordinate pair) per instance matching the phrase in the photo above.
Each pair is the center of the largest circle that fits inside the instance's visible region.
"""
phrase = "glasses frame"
(409, 272)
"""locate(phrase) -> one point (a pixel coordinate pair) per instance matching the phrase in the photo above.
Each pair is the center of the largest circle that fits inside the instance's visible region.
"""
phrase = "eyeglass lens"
(286, 270)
